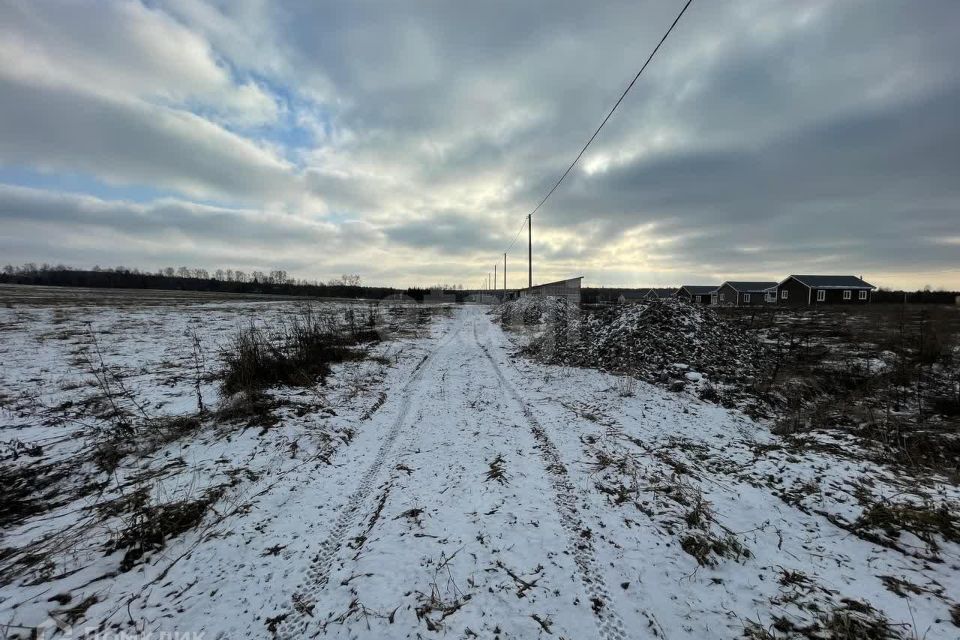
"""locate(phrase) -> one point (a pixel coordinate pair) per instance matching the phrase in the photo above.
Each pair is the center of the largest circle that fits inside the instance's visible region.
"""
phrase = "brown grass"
(301, 351)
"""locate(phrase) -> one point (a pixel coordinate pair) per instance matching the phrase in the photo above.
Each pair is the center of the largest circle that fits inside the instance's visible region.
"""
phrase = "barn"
(813, 290)
(699, 293)
(568, 289)
(745, 294)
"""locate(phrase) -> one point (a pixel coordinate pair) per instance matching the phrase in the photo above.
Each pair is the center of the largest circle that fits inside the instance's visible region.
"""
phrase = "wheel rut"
(295, 623)
(579, 541)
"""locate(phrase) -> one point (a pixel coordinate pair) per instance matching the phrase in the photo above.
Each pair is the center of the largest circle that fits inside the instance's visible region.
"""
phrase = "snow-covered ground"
(446, 487)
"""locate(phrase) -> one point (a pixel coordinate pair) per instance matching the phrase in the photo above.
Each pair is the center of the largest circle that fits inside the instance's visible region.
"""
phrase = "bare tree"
(346, 280)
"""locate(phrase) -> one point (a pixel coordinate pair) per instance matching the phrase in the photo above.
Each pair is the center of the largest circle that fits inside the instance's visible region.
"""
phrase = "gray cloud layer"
(241, 238)
(133, 142)
(767, 137)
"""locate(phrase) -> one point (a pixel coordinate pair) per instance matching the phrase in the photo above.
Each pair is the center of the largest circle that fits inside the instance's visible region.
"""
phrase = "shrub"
(151, 526)
(301, 351)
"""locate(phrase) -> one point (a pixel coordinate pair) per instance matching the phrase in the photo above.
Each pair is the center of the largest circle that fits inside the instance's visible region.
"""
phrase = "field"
(887, 374)
(257, 467)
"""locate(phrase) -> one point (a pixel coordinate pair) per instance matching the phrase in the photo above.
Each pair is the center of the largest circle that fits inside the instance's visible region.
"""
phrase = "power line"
(514, 241)
(597, 131)
(622, 96)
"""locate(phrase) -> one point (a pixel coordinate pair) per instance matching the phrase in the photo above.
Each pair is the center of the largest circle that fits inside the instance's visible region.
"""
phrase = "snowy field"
(440, 486)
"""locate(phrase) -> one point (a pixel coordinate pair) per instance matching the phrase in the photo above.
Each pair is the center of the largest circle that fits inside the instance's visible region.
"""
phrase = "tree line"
(275, 282)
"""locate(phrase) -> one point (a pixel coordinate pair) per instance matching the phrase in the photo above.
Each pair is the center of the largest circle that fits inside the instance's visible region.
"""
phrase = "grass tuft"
(150, 526)
(927, 522)
(302, 350)
(497, 470)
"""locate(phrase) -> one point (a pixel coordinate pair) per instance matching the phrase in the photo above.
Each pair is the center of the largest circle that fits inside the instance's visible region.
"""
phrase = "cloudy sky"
(405, 141)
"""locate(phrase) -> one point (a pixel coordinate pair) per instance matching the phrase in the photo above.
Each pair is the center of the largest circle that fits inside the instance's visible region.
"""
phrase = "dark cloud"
(766, 137)
(449, 233)
(881, 182)
(164, 230)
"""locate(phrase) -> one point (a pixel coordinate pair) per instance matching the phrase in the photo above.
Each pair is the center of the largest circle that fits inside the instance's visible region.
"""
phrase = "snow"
(450, 488)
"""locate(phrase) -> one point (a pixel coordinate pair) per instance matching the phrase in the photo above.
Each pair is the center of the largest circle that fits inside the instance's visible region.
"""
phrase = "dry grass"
(889, 374)
(299, 352)
(928, 522)
(149, 527)
(849, 620)
(497, 470)
(625, 386)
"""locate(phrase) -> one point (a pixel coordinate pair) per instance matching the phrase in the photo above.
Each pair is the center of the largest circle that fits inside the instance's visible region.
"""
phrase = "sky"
(407, 141)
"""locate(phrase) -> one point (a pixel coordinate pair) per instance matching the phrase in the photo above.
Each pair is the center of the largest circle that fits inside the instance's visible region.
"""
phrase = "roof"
(635, 295)
(659, 292)
(551, 284)
(700, 289)
(750, 287)
(832, 282)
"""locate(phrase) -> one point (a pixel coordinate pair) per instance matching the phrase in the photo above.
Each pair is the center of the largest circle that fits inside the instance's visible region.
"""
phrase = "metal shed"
(569, 289)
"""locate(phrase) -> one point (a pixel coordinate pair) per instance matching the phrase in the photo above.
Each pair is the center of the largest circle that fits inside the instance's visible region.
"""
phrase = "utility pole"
(530, 250)
(504, 275)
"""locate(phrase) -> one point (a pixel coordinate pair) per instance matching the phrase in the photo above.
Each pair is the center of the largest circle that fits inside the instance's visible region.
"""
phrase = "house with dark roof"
(745, 294)
(699, 293)
(633, 295)
(659, 292)
(813, 290)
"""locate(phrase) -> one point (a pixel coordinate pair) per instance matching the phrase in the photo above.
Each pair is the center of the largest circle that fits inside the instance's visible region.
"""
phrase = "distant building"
(633, 296)
(660, 293)
(813, 290)
(437, 296)
(699, 293)
(744, 294)
(568, 289)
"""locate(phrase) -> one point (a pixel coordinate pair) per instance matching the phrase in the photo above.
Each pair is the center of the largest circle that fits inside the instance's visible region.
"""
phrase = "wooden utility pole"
(530, 251)
(504, 275)
(494, 277)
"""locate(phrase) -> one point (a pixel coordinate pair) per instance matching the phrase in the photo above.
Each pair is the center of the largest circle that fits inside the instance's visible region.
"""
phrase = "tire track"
(579, 541)
(295, 624)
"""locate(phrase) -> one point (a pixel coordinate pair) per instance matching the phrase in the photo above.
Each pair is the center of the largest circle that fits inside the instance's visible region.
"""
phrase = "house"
(700, 293)
(744, 294)
(635, 295)
(660, 293)
(812, 290)
(569, 289)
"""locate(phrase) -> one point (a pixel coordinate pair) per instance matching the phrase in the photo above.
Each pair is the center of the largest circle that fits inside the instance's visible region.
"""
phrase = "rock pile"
(665, 341)
(534, 310)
